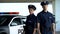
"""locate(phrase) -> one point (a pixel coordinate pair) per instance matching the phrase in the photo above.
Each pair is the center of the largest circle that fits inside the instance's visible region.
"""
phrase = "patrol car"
(12, 24)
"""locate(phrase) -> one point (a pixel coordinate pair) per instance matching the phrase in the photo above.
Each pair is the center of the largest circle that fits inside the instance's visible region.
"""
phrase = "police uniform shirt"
(45, 19)
(31, 20)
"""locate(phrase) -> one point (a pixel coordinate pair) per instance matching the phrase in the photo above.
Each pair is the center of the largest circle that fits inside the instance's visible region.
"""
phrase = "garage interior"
(54, 3)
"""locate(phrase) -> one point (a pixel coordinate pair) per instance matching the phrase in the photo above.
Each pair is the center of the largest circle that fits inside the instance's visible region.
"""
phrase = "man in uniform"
(31, 21)
(46, 20)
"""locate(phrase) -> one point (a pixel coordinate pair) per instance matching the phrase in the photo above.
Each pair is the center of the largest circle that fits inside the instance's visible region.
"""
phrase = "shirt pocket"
(50, 19)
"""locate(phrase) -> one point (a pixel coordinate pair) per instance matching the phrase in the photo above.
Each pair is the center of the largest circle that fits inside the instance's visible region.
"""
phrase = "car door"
(16, 26)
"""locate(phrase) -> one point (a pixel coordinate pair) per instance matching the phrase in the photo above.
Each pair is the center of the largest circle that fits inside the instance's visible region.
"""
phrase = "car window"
(5, 20)
(16, 21)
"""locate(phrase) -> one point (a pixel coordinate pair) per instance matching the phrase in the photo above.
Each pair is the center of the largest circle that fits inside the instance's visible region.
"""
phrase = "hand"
(34, 31)
(39, 33)
(54, 33)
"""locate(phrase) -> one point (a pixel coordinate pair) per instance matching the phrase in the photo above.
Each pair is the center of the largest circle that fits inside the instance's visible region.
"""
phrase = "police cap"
(31, 6)
(44, 3)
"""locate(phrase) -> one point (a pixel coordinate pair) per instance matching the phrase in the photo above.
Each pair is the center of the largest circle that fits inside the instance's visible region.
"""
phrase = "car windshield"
(5, 20)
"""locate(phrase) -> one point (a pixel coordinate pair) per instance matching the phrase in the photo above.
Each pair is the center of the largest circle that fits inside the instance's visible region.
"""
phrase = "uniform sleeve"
(53, 19)
(35, 25)
(26, 20)
(25, 27)
(38, 18)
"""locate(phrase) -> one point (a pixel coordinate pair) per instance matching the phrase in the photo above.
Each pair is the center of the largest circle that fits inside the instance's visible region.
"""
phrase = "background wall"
(22, 8)
(57, 13)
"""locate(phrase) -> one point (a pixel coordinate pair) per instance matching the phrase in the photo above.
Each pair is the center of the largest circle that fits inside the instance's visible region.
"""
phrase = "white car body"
(14, 27)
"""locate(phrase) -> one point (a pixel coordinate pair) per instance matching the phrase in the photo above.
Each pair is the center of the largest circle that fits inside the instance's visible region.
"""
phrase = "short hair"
(31, 6)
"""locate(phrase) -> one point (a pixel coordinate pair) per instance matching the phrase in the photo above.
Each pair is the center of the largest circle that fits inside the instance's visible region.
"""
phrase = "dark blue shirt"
(31, 21)
(45, 19)
(30, 24)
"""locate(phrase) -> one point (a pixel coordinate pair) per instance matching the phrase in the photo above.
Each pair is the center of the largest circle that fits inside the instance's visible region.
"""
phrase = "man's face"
(31, 11)
(45, 7)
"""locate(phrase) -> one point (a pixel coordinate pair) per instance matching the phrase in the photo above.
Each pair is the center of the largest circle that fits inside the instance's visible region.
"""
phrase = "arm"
(35, 28)
(34, 31)
(54, 28)
(38, 23)
(53, 24)
(38, 28)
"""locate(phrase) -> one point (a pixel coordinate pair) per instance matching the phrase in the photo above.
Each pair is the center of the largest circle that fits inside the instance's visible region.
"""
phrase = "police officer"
(46, 20)
(31, 21)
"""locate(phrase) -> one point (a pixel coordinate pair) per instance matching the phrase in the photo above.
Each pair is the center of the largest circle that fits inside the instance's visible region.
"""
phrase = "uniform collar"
(44, 11)
(31, 14)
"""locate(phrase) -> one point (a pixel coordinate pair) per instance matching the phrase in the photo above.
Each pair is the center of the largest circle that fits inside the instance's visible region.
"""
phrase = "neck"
(31, 13)
(45, 10)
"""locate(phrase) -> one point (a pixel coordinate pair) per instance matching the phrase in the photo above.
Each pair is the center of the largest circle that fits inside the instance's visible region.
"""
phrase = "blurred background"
(21, 6)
